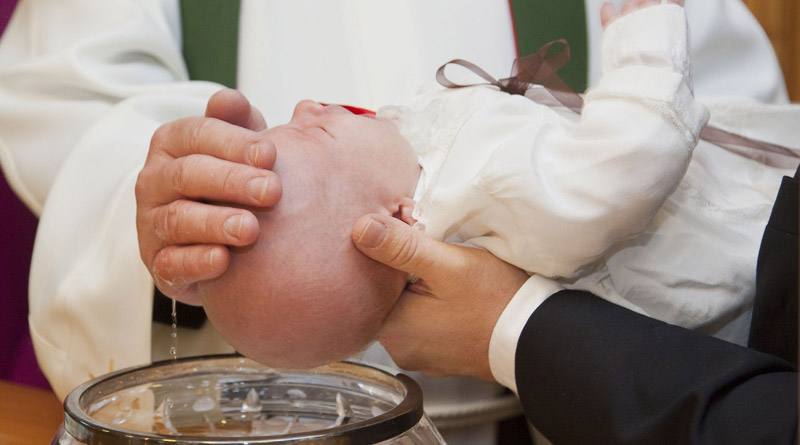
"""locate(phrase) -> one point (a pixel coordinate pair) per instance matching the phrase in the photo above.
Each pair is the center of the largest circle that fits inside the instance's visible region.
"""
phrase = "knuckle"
(185, 266)
(160, 137)
(145, 184)
(197, 133)
(233, 147)
(141, 187)
(402, 253)
(180, 175)
(229, 181)
(157, 268)
(165, 273)
(169, 225)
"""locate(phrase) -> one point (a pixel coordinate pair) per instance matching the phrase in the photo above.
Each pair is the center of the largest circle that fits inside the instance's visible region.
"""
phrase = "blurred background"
(781, 21)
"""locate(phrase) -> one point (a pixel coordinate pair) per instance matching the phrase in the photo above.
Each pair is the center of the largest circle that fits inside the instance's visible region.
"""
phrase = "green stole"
(211, 33)
(210, 30)
(537, 22)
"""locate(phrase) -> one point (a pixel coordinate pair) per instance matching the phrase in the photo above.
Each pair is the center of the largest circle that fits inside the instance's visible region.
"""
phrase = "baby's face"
(368, 148)
(303, 295)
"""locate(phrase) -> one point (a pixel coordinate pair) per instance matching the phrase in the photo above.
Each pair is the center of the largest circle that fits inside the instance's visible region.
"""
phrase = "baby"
(607, 201)
(302, 295)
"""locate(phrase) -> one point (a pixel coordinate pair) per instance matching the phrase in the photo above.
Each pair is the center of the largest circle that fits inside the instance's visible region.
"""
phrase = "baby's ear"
(403, 211)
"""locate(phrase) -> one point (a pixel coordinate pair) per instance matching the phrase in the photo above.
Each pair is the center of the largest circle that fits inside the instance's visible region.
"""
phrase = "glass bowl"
(231, 399)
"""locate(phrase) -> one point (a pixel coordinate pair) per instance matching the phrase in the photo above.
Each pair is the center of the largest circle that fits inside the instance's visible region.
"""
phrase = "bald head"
(303, 295)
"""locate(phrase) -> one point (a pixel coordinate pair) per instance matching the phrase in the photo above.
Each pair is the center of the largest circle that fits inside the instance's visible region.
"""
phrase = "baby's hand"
(608, 14)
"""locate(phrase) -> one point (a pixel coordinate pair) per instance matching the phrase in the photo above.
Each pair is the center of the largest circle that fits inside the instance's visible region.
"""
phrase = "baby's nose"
(306, 108)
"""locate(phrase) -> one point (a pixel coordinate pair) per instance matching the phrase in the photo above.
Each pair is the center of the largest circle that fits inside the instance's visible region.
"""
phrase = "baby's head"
(302, 294)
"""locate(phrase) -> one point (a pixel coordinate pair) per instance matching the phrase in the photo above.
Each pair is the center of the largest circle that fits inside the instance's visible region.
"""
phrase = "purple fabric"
(6, 8)
(17, 230)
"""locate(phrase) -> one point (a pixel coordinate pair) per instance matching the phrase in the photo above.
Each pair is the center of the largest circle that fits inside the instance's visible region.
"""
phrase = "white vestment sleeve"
(83, 86)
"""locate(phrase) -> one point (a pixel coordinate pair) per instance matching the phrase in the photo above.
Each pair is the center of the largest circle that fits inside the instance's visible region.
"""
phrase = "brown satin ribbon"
(536, 77)
(539, 68)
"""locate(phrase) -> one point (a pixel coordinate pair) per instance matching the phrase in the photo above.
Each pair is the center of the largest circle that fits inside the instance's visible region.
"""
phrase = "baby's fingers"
(607, 14)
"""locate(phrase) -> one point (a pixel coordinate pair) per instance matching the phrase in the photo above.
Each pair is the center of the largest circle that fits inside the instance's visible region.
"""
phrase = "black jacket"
(591, 372)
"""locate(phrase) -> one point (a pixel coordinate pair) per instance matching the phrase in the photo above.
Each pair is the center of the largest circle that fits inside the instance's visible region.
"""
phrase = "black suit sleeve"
(773, 328)
(591, 372)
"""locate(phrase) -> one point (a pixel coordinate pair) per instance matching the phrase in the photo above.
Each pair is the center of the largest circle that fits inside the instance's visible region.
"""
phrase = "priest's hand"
(220, 157)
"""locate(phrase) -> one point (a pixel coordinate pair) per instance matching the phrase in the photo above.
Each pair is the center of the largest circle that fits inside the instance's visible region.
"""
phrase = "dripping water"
(173, 349)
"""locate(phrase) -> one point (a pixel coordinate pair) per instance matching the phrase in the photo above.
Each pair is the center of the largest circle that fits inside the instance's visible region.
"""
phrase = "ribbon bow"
(539, 68)
(536, 77)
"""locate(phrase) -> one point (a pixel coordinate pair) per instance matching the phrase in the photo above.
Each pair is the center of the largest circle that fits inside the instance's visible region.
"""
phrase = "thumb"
(396, 244)
(233, 107)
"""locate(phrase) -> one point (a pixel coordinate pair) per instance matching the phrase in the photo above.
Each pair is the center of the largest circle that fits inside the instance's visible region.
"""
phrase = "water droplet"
(295, 393)
(203, 404)
(173, 350)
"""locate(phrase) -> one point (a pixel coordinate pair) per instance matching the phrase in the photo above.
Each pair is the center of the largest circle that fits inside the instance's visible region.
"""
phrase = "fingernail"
(373, 234)
(257, 187)
(255, 153)
(209, 258)
(233, 226)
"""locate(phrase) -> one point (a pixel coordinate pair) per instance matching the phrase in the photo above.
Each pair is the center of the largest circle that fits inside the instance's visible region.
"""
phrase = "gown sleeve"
(572, 190)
